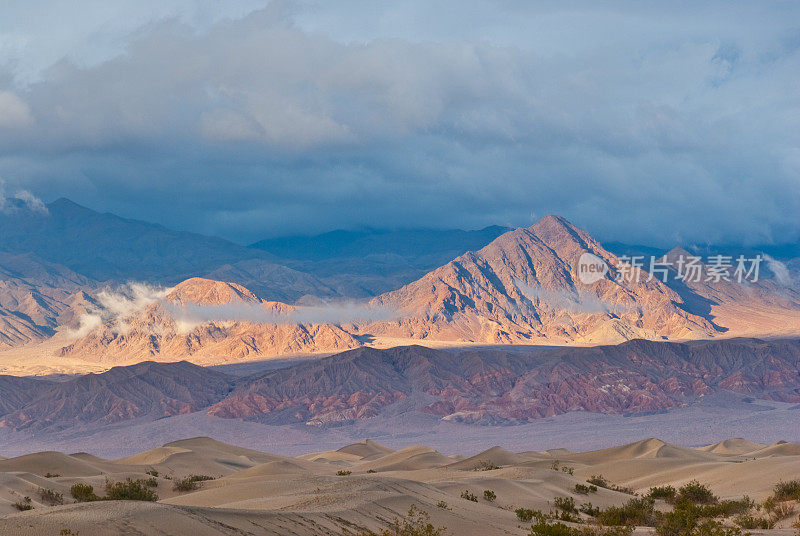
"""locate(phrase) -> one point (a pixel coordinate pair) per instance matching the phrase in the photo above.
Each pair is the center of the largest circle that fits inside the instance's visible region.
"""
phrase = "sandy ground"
(266, 494)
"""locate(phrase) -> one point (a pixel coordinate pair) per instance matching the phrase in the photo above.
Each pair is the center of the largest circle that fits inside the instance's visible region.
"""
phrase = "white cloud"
(678, 121)
(14, 112)
(27, 199)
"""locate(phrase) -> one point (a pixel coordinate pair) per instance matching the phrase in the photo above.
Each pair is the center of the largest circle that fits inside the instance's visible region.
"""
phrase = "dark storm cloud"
(639, 124)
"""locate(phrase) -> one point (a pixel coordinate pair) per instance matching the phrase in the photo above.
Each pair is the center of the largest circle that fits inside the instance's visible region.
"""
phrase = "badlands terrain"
(362, 487)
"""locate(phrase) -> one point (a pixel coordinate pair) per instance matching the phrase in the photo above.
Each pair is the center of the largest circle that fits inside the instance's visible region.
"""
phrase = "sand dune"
(781, 448)
(366, 449)
(50, 462)
(260, 493)
(408, 459)
(733, 446)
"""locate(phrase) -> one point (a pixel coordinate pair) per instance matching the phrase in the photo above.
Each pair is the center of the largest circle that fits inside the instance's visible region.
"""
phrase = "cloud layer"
(638, 123)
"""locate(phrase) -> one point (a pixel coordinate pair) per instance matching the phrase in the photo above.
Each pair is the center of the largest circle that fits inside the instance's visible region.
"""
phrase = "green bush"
(707, 527)
(83, 493)
(489, 495)
(566, 504)
(51, 475)
(343, 473)
(546, 529)
(666, 493)
(185, 484)
(484, 465)
(748, 521)
(696, 493)
(468, 495)
(589, 510)
(559, 529)
(416, 523)
(443, 505)
(585, 490)
(23, 504)
(600, 481)
(200, 478)
(370, 471)
(190, 483)
(637, 511)
(51, 497)
(787, 491)
(727, 508)
(129, 490)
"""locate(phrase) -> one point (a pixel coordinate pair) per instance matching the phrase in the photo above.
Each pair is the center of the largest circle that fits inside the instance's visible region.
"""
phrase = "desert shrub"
(83, 493)
(185, 484)
(69, 532)
(343, 473)
(484, 465)
(152, 472)
(748, 521)
(51, 497)
(678, 523)
(556, 466)
(443, 505)
(200, 478)
(601, 482)
(563, 515)
(565, 504)
(585, 490)
(666, 493)
(696, 493)
(727, 508)
(151, 482)
(787, 491)
(524, 514)
(690, 519)
(598, 480)
(23, 504)
(779, 510)
(51, 475)
(556, 529)
(559, 529)
(190, 483)
(372, 471)
(637, 511)
(468, 495)
(489, 495)
(129, 490)
(589, 510)
(416, 523)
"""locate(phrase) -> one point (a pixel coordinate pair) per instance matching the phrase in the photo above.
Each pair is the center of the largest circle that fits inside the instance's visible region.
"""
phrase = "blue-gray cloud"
(639, 123)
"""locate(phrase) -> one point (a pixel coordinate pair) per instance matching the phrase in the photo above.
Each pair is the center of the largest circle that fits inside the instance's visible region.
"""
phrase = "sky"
(642, 122)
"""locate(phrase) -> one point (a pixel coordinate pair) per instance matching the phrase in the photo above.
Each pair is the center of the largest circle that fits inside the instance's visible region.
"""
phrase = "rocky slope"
(499, 387)
(208, 322)
(475, 386)
(108, 248)
(37, 296)
(523, 287)
(145, 389)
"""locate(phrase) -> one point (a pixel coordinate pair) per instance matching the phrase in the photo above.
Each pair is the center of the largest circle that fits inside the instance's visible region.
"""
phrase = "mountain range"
(212, 301)
(472, 386)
